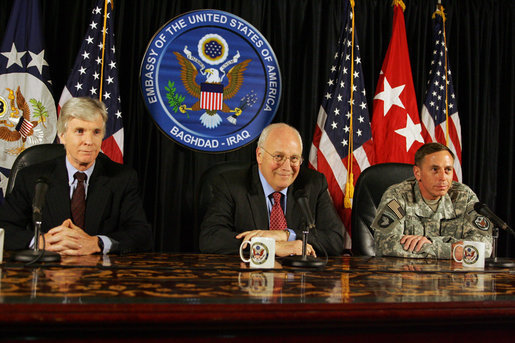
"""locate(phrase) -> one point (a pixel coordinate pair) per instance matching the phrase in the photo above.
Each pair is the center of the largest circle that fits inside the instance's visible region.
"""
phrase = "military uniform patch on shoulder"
(396, 208)
(482, 223)
(385, 221)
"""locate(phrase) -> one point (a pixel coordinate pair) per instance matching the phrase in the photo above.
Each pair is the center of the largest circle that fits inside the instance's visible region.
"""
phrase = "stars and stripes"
(342, 143)
(211, 96)
(95, 74)
(440, 119)
(396, 125)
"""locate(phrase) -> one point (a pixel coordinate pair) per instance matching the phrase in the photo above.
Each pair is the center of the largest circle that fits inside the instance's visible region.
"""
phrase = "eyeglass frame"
(284, 158)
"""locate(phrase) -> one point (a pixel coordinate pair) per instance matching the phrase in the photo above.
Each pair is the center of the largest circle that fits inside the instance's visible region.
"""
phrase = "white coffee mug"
(1, 245)
(262, 252)
(473, 254)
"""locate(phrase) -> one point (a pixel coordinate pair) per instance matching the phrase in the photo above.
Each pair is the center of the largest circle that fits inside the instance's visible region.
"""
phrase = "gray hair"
(83, 108)
(266, 132)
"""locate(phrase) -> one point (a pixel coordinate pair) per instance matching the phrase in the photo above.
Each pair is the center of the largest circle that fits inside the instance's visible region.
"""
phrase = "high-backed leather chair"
(206, 192)
(369, 189)
(33, 155)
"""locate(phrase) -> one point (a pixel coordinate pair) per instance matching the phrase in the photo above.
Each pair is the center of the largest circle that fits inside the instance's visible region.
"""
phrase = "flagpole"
(106, 2)
(349, 186)
(440, 11)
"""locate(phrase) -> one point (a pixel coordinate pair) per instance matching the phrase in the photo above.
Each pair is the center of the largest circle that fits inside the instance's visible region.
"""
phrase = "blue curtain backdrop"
(304, 33)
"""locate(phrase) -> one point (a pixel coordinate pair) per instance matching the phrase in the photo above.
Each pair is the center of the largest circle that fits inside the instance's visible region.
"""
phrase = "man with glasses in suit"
(261, 202)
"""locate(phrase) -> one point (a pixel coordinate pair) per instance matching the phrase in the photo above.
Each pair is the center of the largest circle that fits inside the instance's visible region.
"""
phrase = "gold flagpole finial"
(400, 3)
(439, 11)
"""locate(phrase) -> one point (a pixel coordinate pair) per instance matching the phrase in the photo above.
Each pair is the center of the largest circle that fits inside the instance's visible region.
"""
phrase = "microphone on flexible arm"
(494, 261)
(304, 261)
(36, 254)
(484, 210)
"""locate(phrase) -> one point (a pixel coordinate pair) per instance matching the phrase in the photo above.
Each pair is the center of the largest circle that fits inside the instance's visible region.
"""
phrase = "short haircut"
(266, 132)
(430, 148)
(83, 108)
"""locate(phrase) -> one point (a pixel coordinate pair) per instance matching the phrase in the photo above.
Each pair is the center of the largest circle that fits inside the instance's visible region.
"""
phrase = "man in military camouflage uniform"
(426, 215)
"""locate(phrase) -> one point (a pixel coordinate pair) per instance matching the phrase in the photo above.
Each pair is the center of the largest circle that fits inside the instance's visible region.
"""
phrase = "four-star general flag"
(342, 145)
(95, 75)
(396, 127)
(27, 108)
(440, 120)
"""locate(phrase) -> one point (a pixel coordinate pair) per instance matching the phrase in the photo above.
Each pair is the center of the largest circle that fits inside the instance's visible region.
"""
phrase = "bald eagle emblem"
(16, 125)
(216, 84)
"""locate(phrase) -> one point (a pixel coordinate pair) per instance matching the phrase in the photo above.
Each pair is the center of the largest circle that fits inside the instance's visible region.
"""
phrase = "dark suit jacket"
(239, 205)
(113, 206)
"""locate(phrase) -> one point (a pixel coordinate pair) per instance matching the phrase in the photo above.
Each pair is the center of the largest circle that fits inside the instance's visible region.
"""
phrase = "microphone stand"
(37, 254)
(304, 261)
(495, 261)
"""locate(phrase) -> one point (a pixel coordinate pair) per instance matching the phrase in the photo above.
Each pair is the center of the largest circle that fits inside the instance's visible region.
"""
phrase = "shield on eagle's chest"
(211, 96)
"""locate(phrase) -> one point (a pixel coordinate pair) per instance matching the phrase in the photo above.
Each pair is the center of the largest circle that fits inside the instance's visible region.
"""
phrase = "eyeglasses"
(295, 160)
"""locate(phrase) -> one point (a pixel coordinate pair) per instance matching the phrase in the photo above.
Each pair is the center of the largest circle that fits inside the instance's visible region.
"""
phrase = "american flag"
(342, 143)
(95, 75)
(27, 108)
(440, 119)
(396, 125)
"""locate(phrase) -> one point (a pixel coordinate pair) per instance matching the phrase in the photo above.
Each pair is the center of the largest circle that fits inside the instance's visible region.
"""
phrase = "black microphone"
(304, 261)
(36, 254)
(487, 212)
(495, 261)
(302, 200)
(39, 198)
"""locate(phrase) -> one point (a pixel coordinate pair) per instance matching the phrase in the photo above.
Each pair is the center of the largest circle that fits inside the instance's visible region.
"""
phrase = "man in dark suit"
(244, 201)
(113, 219)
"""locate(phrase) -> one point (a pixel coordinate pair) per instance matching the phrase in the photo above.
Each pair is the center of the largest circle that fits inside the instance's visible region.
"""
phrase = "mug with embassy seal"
(473, 254)
(262, 252)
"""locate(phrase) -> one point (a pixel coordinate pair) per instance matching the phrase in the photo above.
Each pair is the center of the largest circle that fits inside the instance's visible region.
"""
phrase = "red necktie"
(277, 219)
(78, 203)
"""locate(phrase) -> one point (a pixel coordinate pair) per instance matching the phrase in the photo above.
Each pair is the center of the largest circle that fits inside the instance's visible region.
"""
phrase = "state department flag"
(27, 108)
(95, 75)
(342, 143)
(440, 120)
(396, 125)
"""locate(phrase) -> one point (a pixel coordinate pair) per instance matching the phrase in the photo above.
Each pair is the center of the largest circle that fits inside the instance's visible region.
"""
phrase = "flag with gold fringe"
(95, 75)
(440, 120)
(396, 127)
(342, 143)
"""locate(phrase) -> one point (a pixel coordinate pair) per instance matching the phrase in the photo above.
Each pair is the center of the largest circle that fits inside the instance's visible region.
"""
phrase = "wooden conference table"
(194, 297)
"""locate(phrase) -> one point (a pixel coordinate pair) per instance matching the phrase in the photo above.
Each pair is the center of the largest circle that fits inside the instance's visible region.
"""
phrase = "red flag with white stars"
(396, 127)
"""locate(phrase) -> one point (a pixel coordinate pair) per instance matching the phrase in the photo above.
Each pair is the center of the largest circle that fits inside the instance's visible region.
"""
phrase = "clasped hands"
(283, 247)
(69, 239)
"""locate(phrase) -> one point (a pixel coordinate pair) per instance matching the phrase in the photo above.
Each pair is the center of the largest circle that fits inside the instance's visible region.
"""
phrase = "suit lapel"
(257, 201)
(293, 214)
(97, 198)
(59, 189)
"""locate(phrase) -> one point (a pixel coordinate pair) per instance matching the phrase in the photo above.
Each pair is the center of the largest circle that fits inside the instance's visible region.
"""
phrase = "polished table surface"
(204, 295)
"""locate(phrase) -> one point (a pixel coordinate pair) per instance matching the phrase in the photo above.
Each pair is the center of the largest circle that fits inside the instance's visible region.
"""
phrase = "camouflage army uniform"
(402, 211)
